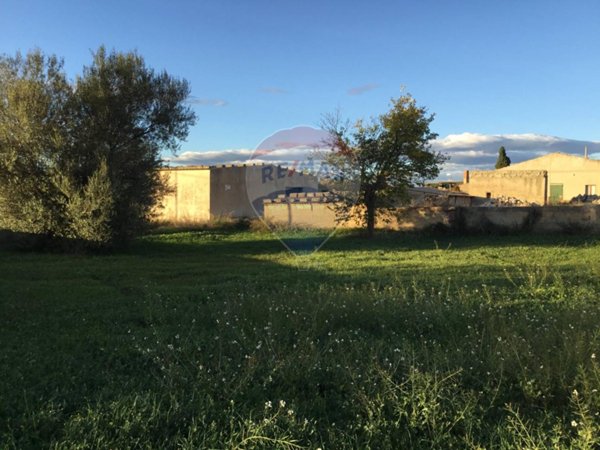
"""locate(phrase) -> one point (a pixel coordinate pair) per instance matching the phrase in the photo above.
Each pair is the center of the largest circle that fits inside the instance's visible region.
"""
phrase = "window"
(590, 189)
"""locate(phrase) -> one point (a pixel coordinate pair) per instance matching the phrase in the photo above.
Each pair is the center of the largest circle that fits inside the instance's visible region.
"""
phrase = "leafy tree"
(127, 115)
(381, 159)
(503, 160)
(34, 124)
(79, 160)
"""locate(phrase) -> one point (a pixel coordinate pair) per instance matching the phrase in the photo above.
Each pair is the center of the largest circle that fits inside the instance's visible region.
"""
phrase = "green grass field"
(222, 339)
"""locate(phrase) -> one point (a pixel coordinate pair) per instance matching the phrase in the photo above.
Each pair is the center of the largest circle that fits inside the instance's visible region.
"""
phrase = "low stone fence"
(535, 218)
(318, 212)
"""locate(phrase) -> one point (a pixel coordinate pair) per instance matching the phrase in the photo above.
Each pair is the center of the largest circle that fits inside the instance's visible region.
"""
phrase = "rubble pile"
(512, 201)
(590, 199)
(430, 200)
(507, 201)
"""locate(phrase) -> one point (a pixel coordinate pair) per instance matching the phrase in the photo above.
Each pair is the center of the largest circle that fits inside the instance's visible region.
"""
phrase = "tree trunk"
(370, 206)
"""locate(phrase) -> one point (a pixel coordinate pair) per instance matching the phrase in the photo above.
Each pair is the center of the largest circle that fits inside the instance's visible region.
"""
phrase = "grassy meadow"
(223, 339)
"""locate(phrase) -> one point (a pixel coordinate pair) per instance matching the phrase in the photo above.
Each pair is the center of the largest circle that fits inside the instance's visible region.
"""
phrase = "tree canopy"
(79, 159)
(382, 158)
(503, 160)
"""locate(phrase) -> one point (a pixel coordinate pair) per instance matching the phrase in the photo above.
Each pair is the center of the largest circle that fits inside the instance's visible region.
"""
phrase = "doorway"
(556, 193)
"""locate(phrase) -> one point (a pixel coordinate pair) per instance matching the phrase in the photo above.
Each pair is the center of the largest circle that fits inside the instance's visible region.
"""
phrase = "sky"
(523, 74)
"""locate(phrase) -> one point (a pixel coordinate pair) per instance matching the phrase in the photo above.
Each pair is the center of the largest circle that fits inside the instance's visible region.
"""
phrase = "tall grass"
(283, 362)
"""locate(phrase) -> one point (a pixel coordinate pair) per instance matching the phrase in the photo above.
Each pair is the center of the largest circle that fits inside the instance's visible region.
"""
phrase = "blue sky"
(485, 68)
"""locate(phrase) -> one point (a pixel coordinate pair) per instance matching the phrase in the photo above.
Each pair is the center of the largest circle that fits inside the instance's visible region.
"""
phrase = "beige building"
(552, 178)
(202, 193)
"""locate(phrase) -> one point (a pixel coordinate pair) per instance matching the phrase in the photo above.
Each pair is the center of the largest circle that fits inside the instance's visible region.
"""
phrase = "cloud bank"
(286, 147)
(284, 156)
(466, 151)
(479, 151)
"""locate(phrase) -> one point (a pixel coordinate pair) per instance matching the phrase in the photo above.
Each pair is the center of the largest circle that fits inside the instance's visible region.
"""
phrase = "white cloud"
(206, 101)
(464, 140)
(273, 90)
(357, 90)
(211, 157)
(470, 153)
(514, 142)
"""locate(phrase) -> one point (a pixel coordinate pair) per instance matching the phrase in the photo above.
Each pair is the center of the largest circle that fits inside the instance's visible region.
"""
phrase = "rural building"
(552, 178)
(202, 193)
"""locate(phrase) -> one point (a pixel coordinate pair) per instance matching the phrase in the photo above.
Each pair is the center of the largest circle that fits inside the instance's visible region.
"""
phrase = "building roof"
(433, 191)
(185, 168)
(557, 161)
(216, 166)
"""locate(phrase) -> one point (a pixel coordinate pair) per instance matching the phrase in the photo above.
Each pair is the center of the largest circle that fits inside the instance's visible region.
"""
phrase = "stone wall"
(316, 210)
(539, 219)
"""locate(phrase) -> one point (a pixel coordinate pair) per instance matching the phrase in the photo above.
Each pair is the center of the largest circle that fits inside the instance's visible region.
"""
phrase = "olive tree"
(79, 159)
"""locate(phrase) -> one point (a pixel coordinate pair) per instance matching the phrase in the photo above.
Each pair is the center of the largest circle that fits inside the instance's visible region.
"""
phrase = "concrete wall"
(189, 196)
(527, 185)
(239, 191)
(302, 215)
(228, 197)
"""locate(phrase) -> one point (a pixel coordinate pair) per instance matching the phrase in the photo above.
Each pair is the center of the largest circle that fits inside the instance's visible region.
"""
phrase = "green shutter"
(556, 193)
